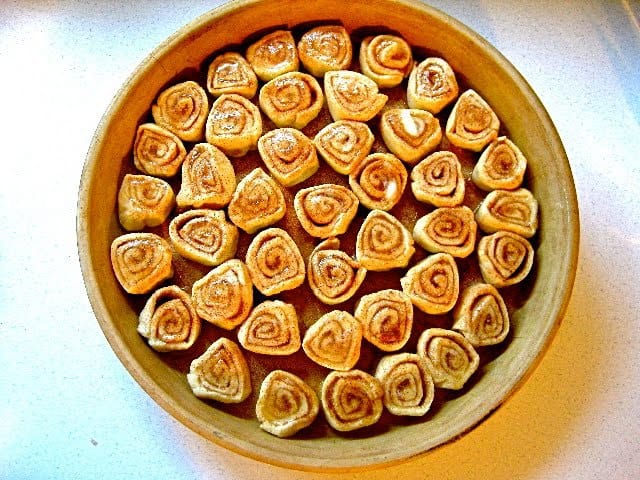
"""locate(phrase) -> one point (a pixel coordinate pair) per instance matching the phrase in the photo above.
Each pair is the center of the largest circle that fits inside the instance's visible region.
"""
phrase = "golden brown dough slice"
(325, 210)
(141, 261)
(344, 144)
(410, 134)
(501, 166)
(351, 400)
(157, 151)
(352, 96)
(472, 124)
(224, 296)
(144, 201)
(230, 72)
(289, 155)
(271, 329)
(204, 236)
(234, 125)
(383, 242)
(407, 384)
(505, 258)
(274, 262)
(451, 358)
(286, 404)
(169, 320)
(182, 109)
(325, 48)
(432, 85)
(433, 284)
(438, 180)
(379, 181)
(334, 340)
(387, 319)
(386, 59)
(291, 100)
(221, 373)
(274, 54)
(449, 230)
(514, 211)
(481, 315)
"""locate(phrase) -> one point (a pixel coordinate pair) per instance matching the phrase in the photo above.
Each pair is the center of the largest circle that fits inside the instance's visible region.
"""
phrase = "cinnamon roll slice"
(410, 134)
(472, 123)
(387, 319)
(157, 151)
(182, 109)
(438, 180)
(451, 358)
(204, 236)
(351, 400)
(352, 96)
(292, 99)
(344, 144)
(505, 258)
(257, 202)
(274, 54)
(325, 48)
(515, 211)
(141, 261)
(501, 166)
(169, 320)
(379, 181)
(383, 242)
(334, 277)
(144, 201)
(407, 384)
(433, 284)
(274, 262)
(234, 125)
(432, 85)
(221, 373)
(208, 178)
(289, 155)
(386, 59)
(334, 341)
(231, 73)
(449, 230)
(325, 210)
(271, 329)
(224, 296)
(481, 315)
(286, 404)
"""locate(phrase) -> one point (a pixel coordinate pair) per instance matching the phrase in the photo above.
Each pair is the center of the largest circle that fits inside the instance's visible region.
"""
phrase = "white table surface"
(68, 409)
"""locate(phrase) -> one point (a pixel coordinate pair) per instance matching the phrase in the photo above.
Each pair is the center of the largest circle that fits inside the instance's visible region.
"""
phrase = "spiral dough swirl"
(481, 315)
(514, 211)
(157, 151)
(344, 144)
(325, 48)
(433, 284)
(387, 319)
(144, 201)
(438, 180)
(386, 59)
(383, 242)
(271, 329)
(505, 258)
(292, 99)
(447, 229)
(472, 123)
(379, 181)
(432, 85)
(182, 109)
(325, 210)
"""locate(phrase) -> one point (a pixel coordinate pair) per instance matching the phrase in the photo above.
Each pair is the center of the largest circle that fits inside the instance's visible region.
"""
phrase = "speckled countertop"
(68, 409)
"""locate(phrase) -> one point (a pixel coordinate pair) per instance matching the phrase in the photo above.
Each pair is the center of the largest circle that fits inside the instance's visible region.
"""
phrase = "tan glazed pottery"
(482, 68)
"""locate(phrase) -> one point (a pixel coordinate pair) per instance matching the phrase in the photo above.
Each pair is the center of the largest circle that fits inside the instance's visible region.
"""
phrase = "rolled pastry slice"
(257, 202)
(141, 261)
(352, 96)
(292, 99)
(289, 155)
(286, 404)
(449, 230)
(325, 210)
(410, 133)
(182, 109)
(383, 242)
(379, 181)
(234, 125)
(351, 400)
(433, 284)
(221, 373)
(231, 73)
(515, 211)
(472, 124)
(501, 166)
(274, 262)
(432, 85)
(274, 54)
(387, 319)
(438, 180)
(407, 384)
(208, 178)
(481, 315)
(344, 144)
(157, 151)
(386, 59)
(144, 201)
(334, 277)
(450, 356)
(271, 329)
(224, 296)
(334, 341)
(325, 48)
(204, 236)
(505, 258)
(169, 320)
